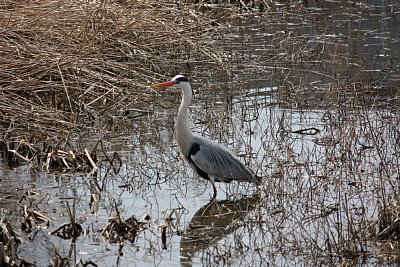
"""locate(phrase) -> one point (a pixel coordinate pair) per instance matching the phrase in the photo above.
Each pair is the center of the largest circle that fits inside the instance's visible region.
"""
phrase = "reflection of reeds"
(387, 225)
(118, 230)
(70, 230)
(69, 71)
(325, 191)
(9, 241)
(57, 158)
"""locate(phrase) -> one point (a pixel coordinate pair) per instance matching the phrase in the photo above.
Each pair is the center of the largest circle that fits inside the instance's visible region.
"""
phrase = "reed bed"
(68, 66)
(317, 119)
(73, 69)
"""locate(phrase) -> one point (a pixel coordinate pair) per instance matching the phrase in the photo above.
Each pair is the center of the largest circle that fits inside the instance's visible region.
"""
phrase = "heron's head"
(178, 81)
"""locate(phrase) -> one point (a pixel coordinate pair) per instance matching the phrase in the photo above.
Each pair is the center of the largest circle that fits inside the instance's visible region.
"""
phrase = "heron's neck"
(184, 134)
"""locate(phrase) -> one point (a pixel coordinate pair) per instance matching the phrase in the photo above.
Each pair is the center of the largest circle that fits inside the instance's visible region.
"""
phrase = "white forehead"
(177, 77)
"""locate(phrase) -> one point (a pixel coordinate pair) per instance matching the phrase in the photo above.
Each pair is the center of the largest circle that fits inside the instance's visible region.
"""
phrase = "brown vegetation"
(68, 66)
(72, 74)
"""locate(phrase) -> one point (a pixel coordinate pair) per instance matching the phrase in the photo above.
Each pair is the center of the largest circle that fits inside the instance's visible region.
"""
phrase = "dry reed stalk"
(68, 69)
(66, 65)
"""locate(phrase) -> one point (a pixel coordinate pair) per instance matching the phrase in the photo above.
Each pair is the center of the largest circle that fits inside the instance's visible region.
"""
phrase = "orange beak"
(164, 84)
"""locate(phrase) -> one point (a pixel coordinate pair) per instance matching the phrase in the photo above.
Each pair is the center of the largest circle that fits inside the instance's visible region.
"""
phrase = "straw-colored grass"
(68, 64)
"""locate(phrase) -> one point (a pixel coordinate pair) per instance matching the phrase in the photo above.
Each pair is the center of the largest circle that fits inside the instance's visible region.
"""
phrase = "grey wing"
(218, 161)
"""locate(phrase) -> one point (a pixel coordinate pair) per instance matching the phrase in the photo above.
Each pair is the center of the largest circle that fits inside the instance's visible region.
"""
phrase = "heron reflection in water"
(213, 222)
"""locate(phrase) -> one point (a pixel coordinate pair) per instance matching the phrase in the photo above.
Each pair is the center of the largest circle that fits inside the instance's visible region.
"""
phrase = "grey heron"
(209, 159)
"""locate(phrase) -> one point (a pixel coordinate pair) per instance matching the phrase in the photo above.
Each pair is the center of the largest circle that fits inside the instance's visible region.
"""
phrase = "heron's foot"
(211, 207)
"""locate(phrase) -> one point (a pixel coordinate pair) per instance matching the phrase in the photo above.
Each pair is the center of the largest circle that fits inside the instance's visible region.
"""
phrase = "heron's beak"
(164, 84)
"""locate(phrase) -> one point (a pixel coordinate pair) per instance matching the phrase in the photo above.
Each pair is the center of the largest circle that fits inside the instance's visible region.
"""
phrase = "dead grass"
(75, 71)
(71, 69)
(67, 65)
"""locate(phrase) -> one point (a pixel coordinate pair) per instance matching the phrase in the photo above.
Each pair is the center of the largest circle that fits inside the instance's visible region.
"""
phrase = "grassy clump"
(66, 65)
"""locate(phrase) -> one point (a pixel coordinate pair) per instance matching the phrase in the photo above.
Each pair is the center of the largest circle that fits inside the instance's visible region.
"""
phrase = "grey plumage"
(209, 159)
(218, 161)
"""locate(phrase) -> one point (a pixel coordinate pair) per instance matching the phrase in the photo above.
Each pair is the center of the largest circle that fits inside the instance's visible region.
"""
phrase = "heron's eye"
(181, 79)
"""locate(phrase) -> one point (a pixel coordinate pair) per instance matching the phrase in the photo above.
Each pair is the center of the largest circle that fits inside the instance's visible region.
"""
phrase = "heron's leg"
(213, 202)
(212, 180)
(215, 192)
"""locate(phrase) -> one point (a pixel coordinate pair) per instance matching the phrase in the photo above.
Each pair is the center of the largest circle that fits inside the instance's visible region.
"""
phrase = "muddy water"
(311, 108)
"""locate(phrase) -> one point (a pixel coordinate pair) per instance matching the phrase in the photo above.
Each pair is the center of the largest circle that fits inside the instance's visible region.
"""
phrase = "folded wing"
(217, 161)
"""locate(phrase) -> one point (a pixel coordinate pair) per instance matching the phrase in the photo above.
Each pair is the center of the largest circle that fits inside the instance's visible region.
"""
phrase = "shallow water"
(307, 199)
(314, 112)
